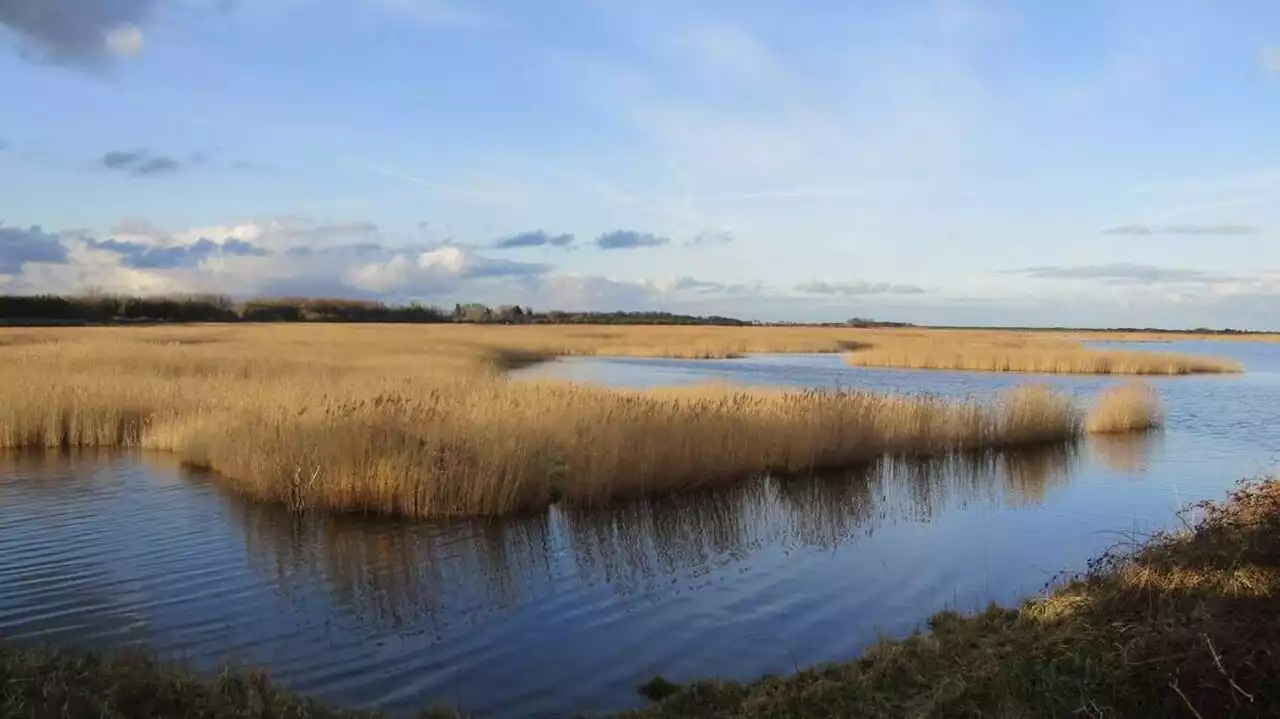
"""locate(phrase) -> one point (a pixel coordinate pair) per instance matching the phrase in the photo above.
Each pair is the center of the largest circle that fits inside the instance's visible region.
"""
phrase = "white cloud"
(435, 270)
(125, 39)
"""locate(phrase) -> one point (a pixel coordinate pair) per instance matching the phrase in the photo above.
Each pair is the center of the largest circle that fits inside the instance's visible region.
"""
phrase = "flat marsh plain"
(422, 421)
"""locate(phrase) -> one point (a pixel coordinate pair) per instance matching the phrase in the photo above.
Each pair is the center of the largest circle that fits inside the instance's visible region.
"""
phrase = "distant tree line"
(97, 308)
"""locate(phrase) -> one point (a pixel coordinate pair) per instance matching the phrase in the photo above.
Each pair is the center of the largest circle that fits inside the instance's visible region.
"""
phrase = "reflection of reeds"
(1130, 452)
(1020, 476)
(1182, 624)
(395, 573)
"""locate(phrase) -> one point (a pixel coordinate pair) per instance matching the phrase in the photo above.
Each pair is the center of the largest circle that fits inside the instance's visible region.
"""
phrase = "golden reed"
(991, 352)
(422, 421)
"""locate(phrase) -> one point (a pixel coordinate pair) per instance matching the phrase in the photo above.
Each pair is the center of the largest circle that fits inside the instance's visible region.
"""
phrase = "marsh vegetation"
(421, 421)
(1024, 352)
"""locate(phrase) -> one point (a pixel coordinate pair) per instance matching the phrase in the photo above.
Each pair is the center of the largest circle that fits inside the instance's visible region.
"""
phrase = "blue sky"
(944, 161)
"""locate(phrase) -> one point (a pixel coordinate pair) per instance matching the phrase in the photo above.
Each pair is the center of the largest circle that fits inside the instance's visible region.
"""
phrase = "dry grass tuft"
(1131, 407)
(421, 421)
(988, 352)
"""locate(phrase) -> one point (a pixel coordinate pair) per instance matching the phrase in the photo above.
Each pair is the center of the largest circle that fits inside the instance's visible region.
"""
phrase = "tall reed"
(1131, 407)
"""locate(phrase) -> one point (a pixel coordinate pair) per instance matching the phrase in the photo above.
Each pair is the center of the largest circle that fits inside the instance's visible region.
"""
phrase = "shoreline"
(1181, 625)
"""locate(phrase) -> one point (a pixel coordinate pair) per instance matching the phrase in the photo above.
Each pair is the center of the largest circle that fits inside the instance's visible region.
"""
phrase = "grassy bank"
(1183, 626)
(1023, 352)
(421, 421)
(45, 684)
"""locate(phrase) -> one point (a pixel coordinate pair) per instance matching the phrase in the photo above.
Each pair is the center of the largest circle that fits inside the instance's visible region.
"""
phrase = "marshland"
(393, 517)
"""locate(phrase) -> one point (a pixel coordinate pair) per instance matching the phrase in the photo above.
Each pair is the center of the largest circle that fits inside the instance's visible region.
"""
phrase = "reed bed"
(1133, 407)
(422, 421)
(958, 351)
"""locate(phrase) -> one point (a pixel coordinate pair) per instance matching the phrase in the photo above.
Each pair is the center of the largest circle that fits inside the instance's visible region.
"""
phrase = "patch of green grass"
(1185, 625)
(45, 684)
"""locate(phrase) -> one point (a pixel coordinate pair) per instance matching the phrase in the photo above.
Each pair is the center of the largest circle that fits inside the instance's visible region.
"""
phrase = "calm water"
(565, 612)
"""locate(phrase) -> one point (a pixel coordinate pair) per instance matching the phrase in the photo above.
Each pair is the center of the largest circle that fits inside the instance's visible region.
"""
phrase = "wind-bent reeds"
(956, 351)
(421, 421)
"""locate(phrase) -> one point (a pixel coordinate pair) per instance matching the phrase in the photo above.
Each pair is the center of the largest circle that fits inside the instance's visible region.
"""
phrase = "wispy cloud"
(727, 51)
(811, 193)
(629, 239)
(818, 287)
(1121, 273)
(1226, 229)
(143, 163)
(533, 238)
(710, 237)
(1271, 59)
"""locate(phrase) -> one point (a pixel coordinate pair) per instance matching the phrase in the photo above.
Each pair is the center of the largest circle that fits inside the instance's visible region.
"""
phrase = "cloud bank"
(292, 256)
(1121, 272)
(85, 32)
(857, 288)
(19, 246)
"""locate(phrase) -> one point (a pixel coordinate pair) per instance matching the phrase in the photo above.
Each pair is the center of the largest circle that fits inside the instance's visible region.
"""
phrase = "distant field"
(420, 420)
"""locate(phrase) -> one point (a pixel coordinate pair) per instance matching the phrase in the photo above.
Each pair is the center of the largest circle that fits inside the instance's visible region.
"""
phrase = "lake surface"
(565, 612)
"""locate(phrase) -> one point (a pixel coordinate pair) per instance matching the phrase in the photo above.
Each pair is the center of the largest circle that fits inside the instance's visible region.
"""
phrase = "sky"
(1094, 163)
